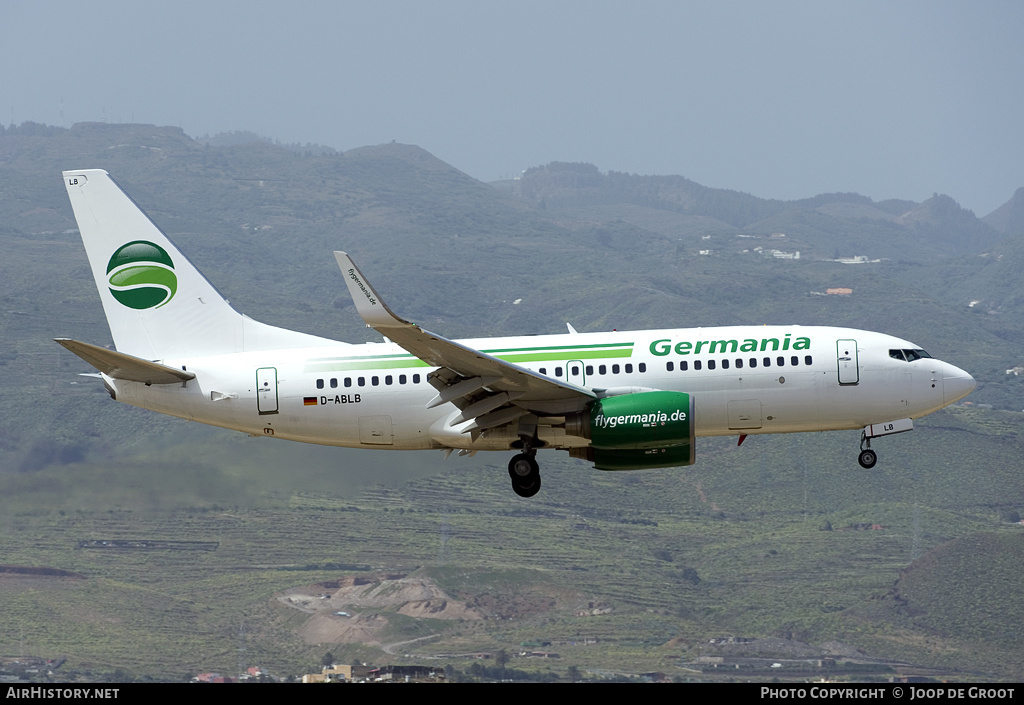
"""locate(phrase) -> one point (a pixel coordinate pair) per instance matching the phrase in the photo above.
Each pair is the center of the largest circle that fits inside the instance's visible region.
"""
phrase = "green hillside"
(770, 540)
(965, 588)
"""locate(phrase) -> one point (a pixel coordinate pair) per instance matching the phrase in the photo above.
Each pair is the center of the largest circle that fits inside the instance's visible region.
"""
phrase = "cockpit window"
(908, 355)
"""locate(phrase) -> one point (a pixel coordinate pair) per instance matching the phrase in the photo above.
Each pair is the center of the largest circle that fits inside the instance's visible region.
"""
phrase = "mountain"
(564, 243)
(850, 224)
(940, 221)
(1009, 217)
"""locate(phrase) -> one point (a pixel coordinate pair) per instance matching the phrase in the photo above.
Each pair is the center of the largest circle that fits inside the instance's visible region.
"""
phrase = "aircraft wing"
(490, 392)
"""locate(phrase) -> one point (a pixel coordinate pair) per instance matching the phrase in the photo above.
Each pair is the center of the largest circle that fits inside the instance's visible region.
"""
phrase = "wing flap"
(460, 389)
(486, 405)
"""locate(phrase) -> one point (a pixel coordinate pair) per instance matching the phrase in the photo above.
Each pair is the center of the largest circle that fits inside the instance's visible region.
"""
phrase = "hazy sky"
(779, 99)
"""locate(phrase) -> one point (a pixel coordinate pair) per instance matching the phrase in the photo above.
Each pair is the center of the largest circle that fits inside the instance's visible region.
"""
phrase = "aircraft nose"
(956, 384)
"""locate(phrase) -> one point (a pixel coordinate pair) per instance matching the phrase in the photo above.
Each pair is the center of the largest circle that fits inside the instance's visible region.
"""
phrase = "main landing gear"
(525, 473)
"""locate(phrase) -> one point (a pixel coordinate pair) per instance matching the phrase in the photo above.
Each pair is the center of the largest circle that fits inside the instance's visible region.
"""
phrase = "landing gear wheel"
(522, 466)
(525, 474)
(867, 459)
(526, 489)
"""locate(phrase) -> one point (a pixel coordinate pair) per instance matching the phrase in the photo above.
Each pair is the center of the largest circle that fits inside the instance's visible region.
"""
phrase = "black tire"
(522, 466)
(525, 474)
(527, 489)
(867, 459)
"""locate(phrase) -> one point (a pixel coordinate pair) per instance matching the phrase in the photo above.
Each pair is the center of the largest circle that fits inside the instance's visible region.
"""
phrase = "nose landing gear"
(868, 457)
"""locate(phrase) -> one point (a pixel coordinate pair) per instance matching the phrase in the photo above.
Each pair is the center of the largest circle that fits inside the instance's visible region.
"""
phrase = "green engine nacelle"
(675, 456)
(635, 431)
(642, 421)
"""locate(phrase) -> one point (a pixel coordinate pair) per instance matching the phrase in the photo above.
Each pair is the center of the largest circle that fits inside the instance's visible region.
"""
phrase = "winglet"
(368, 303)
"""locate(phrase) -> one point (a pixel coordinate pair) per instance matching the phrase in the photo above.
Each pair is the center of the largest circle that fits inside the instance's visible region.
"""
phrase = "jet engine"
(636, 431)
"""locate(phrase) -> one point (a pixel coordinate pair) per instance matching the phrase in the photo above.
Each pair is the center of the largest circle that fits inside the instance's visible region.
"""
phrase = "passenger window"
(739, 363)
(388, 379)
(319, 384)
(375, 381)
(669, 366)
(602, 370)
(590, 369)
(575, 370)
(711, 364)
(558, 372)
(334, 382)
(402, 379)
(348, 381)
(642, 367)
(780, 361)
(683, 366)
(361, 381)
(725, 364)
(615, 369)
(794, 361)
(629, 368)
(415, 379)
(753, 362)
(543, 370)
(696, 364)
(807, 360)
(767, 362)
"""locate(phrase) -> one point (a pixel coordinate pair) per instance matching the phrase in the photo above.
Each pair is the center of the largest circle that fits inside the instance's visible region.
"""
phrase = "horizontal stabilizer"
(122, 366)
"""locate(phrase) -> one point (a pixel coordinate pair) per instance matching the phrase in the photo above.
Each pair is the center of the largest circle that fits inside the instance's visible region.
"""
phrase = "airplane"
(622, 400)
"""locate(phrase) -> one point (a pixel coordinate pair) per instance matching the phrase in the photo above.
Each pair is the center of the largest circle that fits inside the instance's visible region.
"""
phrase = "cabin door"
(266, 390)
(846, 357)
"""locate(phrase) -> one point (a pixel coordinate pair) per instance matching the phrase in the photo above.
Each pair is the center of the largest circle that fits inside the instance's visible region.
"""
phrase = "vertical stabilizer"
(157, 303)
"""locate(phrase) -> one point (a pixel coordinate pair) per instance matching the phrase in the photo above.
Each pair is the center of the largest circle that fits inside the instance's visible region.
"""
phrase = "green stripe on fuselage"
(540, 354)
(568, 355)
(628, 346)
(378, 364)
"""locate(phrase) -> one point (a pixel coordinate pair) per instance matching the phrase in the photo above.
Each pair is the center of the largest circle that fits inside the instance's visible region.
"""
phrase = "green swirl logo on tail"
(141, 275)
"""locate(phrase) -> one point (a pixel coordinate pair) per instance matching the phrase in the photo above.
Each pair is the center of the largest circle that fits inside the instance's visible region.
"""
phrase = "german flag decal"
(309, 401)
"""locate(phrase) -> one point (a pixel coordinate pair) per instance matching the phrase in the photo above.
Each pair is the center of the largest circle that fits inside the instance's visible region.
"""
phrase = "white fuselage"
(744, 380)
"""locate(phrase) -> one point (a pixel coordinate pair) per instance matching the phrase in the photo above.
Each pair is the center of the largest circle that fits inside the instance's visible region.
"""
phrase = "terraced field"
(646, 567)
